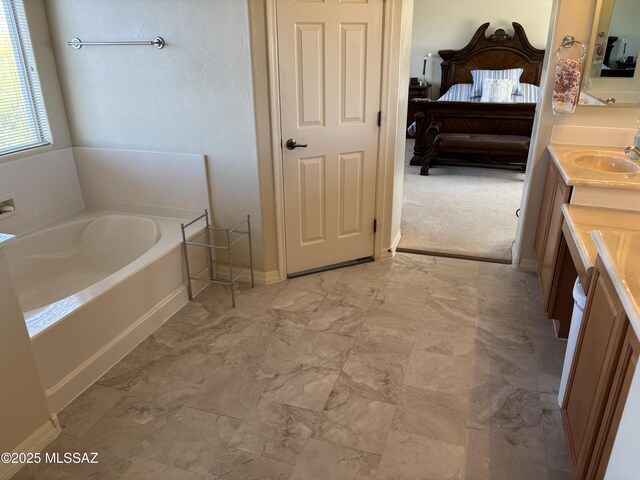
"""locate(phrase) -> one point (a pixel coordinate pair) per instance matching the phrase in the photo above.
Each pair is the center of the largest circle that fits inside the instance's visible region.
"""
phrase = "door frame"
(397, 19)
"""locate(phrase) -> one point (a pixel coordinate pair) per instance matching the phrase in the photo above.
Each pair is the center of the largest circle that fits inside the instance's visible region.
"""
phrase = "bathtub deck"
(354, 373)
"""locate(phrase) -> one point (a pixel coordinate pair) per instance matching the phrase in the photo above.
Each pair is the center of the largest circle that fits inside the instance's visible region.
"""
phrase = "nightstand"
(416, 91)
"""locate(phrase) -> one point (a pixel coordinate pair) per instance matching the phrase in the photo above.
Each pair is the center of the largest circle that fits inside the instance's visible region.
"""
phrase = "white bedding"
(461, 92)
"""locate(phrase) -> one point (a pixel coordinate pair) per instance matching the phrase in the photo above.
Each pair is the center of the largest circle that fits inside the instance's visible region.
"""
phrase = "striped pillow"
(513, 73)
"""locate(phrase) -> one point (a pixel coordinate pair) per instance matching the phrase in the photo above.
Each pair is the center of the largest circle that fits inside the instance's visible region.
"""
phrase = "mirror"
(611, 76)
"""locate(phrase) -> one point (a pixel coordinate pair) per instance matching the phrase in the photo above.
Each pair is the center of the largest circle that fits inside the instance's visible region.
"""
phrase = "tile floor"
(411, 368)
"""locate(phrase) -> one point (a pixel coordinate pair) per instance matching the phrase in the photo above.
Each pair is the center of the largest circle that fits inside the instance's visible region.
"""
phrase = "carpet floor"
(460, 211)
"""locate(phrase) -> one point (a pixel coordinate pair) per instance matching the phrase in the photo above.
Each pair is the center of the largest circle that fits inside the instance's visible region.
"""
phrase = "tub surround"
(27, 422)
(71, 239)
(76, 339)
(149, 183)
(78, 334)
(44, 187)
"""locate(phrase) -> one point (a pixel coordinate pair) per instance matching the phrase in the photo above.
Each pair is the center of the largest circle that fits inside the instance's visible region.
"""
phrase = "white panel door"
(330, 67)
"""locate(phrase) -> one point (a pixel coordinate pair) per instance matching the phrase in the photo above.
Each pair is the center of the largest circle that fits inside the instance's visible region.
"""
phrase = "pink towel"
(566, 91)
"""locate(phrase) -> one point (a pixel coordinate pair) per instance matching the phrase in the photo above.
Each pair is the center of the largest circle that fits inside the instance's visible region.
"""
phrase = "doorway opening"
(472, 98)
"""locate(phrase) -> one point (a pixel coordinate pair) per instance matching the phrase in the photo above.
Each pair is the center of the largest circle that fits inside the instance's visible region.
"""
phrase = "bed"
(460, 129)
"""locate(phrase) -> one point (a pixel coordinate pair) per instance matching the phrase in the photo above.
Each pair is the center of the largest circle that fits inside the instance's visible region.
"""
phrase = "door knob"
(292, 144)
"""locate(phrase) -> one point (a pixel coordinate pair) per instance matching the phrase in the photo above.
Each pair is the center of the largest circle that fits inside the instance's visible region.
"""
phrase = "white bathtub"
(92, 287)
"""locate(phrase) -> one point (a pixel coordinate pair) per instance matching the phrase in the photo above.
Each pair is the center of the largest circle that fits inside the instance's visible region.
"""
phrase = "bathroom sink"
(611, 162)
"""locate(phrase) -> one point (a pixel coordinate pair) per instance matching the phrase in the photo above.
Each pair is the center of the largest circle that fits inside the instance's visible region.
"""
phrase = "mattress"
(461, 92)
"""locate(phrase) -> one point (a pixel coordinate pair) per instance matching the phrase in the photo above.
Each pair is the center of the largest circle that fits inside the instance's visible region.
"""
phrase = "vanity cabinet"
(625, 370)
(599, 379)
(551, 252)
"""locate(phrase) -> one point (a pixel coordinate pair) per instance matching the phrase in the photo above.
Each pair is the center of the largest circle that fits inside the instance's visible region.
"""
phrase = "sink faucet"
(634, 152)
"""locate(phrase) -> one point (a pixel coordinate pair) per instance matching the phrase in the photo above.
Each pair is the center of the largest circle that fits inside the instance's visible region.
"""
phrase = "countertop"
(620, 253)
(581, 221)
(615, 236)
(576, 175)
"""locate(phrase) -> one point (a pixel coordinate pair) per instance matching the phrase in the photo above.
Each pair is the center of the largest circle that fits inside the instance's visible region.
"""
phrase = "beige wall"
(194, 96)
(23, 408)
(260, 69)
(573, 17)
(45, 63)
(403, 72)
(449, 24)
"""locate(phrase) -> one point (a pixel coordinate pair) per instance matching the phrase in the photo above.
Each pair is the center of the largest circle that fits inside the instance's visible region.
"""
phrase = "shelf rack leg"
(233, 293)
(186, 262)
(253, 283)
(207, 237)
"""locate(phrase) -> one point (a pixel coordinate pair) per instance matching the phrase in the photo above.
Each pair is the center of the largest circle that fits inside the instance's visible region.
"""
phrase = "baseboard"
(36, 442)
(522, 264)
(271, 277)
(526, 265)
(389, 252)
(396, 241)
(260, 278)
(65, 391)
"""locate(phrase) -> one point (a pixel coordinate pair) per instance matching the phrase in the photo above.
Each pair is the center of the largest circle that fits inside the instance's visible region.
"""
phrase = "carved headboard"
(496, 52)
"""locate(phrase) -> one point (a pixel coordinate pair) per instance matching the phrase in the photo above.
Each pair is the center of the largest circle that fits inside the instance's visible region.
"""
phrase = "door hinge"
(380, 118)
(375, 225)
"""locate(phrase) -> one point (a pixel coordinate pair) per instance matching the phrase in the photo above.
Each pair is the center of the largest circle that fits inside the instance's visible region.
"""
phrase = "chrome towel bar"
(76, 43)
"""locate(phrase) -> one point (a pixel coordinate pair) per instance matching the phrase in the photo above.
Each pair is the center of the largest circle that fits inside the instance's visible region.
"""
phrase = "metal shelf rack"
(230, 237)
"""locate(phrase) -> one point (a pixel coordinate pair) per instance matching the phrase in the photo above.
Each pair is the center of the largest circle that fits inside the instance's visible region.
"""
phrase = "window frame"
(24, 54)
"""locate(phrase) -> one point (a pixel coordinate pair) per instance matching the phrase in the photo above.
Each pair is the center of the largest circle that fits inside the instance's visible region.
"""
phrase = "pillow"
(497, 90)
(478, 75)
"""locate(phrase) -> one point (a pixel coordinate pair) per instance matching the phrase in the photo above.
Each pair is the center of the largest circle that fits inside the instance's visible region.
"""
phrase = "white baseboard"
(271, 277)
(396, 241)
(65, 391)
(389, 252)
(36, 442)
(522, 264)
(260, 278)
(526, 265)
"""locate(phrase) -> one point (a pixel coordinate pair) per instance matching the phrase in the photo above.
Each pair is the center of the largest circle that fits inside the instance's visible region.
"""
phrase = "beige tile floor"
(411, 368)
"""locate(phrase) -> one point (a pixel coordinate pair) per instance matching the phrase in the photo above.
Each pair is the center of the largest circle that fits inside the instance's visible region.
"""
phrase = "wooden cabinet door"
(625, 370)
(594, 363)
(545, 212)
(549, 232)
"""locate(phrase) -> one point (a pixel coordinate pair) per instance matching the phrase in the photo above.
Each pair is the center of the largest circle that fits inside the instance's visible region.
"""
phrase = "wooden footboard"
(494, 132)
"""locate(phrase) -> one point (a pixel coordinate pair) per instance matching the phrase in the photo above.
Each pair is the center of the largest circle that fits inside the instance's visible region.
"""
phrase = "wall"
(403, 73)
(45, 63)
(260, 70)
(571, 17)
(449, 24)
(194, 96)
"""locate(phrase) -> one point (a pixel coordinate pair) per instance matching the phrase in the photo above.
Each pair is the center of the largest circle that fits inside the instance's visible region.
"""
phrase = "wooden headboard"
(495, 52)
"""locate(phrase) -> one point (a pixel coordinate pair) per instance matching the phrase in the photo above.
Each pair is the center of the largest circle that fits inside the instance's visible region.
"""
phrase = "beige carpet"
(462, 211)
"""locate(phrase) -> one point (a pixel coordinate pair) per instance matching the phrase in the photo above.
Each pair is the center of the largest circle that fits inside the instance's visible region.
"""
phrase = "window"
(23, 122)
